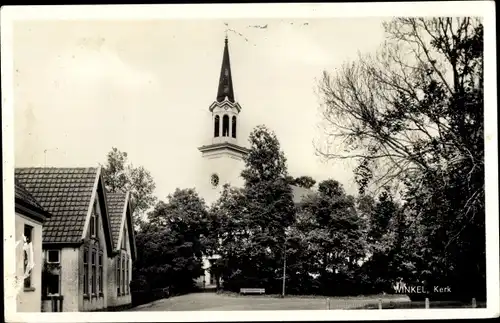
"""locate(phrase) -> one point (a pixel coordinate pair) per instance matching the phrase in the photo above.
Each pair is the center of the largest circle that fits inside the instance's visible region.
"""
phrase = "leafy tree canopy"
(120, 175)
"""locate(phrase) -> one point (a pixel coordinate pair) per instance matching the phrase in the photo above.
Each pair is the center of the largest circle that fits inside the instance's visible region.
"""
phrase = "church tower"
(223, 155)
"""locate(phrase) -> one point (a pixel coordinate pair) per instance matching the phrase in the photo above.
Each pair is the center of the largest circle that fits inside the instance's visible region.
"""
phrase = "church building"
(223, 155)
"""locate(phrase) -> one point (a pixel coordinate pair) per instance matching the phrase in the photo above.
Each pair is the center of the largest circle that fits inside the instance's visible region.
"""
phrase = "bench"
(252, 290)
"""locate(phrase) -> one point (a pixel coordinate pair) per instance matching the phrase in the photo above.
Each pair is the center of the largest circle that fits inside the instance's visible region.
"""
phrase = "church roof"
(225, 79)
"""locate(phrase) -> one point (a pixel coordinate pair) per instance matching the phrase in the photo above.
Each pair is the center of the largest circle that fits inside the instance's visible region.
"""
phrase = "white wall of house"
(72, 273)
(68, 279)
(124, 297)
(29, 299)
(98, 300)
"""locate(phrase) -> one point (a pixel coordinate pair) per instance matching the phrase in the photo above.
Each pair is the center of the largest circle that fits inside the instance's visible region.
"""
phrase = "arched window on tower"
(233, 130)
(216, 126)
(225, 126)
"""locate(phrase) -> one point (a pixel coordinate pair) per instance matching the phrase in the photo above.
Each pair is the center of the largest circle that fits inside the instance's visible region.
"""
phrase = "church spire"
(225, 80)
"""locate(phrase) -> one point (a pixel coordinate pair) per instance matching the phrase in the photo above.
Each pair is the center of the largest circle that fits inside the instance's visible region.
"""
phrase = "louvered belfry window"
(216, 126)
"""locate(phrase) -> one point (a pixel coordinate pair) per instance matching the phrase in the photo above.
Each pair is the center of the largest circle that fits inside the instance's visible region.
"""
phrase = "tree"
(304, 181)
(412, 117)
(171, 244)
(120, 175)
(410, 113)
(333, 230)
(384, 211)
(266, 188)
(386, 229)
(254, 219)
(229, 236)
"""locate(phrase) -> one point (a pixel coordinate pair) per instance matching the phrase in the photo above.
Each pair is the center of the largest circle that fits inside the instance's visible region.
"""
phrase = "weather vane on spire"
(234, 31)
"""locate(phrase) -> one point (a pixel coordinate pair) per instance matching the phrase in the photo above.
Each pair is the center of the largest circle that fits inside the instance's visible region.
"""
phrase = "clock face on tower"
(214, 180)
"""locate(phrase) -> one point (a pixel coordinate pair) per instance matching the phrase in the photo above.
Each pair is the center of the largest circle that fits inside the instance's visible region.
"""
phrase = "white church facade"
(223, 154)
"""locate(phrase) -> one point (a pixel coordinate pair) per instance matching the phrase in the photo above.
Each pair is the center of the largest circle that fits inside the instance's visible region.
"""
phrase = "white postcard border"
(485, 9)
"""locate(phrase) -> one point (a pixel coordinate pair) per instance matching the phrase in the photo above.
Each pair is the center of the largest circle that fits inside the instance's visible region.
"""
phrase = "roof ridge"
(55, 167)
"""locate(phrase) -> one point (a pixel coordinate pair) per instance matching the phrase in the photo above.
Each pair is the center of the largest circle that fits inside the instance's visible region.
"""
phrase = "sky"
(145, 86)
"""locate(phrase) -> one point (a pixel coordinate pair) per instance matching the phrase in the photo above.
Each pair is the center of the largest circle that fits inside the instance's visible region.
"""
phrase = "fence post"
(327, 303)
(380, 303)
(474, 305)
(426, 302)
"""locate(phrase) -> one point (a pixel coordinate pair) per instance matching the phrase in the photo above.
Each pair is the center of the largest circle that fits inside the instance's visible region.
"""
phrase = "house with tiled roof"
(120, 266)
(30, 217)
(77, 238)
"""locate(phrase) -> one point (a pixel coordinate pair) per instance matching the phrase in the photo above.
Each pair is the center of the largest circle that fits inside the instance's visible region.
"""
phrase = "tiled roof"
(66, 194)
(24, 195)
(116, 204)
(299, 193)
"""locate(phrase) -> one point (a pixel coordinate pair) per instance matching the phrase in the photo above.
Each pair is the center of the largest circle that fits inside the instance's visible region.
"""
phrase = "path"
(220, 302)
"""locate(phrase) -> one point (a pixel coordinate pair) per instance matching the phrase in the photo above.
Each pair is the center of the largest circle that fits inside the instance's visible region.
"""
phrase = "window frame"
(217, 126)
(126, 275)
(118, 276)
(233, 127)
(92, 225)
(100, 273)
(85, 272)
(58, 279)
(93, 275)
(94, 219)
(124, 238)
(27, 283)
(225, 126)
(123, 274)
(58, 256)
